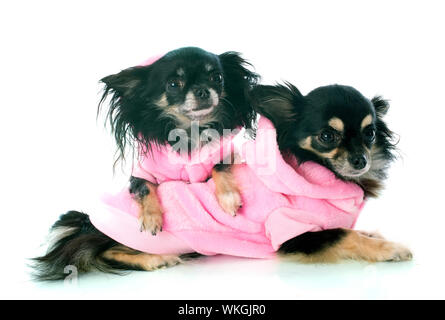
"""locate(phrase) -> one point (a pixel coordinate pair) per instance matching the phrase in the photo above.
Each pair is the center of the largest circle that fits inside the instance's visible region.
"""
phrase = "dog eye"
(369, 133)
(328, 137)
(174, 85)
(216, 77)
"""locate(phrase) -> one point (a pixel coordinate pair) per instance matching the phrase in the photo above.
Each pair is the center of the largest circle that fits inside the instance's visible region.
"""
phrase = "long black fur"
(78, 244)
(81, 245)
(135, 118)
(293, 115)
(312, 242)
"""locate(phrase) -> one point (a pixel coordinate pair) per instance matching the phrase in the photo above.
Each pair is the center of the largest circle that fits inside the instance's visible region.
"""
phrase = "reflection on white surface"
(223, 277)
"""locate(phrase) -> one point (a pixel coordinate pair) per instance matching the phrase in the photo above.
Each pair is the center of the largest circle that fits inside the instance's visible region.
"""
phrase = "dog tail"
(77, 245)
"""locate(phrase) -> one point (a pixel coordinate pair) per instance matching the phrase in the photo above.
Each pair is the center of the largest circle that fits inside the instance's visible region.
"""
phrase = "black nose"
(358, 161)
(202, 93)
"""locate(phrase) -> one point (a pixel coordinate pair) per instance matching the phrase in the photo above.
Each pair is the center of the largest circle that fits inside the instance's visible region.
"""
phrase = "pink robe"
(281, 200)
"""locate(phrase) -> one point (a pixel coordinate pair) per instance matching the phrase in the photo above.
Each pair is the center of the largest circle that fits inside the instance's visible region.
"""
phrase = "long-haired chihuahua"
(186, 89)
(337, 127)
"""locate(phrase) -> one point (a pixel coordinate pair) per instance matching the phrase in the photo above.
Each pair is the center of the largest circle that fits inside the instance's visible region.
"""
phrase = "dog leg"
(122, 257)
(150, 213)
(227, 192)
(338, 244)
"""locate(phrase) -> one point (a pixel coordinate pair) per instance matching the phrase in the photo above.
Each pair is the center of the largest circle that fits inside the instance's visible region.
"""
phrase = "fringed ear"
(279, 103)
(238, 84)
(122, 88)
(124, 83)
(381, 106)
(235, 67)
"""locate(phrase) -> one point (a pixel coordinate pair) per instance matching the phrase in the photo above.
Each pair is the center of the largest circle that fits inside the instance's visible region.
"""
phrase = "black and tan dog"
(337, 127)
(188, 88)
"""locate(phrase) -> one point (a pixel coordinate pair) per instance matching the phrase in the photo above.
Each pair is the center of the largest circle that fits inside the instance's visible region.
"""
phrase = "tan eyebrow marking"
(208, 67)
(337, 124)
(180, 72)
(307, 145)
(366, 121)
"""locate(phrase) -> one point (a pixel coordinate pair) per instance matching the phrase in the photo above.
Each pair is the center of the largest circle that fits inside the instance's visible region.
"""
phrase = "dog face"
(185, 86)
(339, 127)
(194, 85)
(335, 126)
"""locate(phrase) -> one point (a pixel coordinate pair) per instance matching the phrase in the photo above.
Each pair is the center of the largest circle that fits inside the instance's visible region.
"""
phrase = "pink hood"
(281, 200)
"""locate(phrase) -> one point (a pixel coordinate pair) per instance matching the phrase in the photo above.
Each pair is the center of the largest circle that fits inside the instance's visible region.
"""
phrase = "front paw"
(230, 201)
(400, 253)
(393, 252)
(151, 222)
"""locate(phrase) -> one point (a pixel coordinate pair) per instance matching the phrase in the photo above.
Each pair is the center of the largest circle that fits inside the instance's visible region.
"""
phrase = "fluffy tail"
(76, 243)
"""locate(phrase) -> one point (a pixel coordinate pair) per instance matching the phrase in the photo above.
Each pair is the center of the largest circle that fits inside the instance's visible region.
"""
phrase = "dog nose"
(202, 93)
(358, 161)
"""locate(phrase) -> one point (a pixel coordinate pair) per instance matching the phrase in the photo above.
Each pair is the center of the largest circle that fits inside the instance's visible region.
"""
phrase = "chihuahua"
(340, 129)
(185, 89)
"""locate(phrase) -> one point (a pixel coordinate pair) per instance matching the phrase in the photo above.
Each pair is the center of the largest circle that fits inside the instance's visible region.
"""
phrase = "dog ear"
(381, 106)
(236, 69)
(278, 103)
(125, 82)
(238, 84)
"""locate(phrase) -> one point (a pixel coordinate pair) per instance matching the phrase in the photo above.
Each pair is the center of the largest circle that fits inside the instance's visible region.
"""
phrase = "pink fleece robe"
(281, 200)
(163, 163)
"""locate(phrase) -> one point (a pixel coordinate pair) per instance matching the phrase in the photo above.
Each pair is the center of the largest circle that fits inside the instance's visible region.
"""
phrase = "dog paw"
(169, 261)
(230, 201)
(396, 252)
(155, 262)
(401, 253)
(151, 222)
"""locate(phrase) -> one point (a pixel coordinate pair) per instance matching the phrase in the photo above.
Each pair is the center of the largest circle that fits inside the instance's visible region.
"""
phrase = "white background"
(55, 156)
